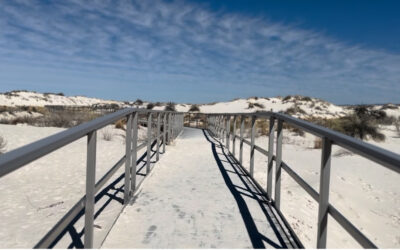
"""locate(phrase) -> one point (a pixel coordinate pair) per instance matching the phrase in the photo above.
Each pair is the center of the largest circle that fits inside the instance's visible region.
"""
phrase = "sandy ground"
(365, 192)
(35, 197)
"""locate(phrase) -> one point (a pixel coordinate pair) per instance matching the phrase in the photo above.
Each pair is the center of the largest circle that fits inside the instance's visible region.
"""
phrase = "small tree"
(170, 107)
(138, 102)
(194, 108)
(150, 105)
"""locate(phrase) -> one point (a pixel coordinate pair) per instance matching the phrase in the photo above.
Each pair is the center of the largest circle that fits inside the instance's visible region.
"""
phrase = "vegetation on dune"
(294, 110)
(120, 124)
(107, 134)
(255, 105)
(150, 105)
(138, 102)
(194, 108)
(61, 119)
(362, 123)
(170, 107)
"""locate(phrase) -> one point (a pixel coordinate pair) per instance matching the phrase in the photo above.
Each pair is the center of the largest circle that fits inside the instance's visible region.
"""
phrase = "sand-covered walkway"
(198, 197)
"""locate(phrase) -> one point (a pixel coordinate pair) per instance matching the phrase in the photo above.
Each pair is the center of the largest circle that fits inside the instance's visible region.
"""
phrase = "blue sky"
(199, 51)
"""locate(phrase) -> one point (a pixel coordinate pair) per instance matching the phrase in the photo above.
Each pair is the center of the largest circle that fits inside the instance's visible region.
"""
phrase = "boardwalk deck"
(200, 200)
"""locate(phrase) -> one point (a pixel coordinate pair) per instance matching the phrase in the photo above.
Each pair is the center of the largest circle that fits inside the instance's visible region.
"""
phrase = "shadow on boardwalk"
(111, 195)
(243, 188)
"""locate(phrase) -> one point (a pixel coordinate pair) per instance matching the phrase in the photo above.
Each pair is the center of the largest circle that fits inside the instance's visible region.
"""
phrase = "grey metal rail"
(219, 125)
(172, 125)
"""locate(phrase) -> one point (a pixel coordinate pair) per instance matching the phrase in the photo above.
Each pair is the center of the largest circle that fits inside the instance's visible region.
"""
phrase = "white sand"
(186, 203)
(365, 192)
(36, 196)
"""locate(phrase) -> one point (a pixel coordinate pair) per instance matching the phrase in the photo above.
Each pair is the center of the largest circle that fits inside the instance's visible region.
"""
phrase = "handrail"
(219, 125)
(19, 157)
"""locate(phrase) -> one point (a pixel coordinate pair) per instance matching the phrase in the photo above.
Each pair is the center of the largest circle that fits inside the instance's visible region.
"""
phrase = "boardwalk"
(201, 200)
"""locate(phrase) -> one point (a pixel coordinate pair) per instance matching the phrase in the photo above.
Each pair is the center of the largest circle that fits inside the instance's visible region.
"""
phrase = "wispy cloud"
(161, 42)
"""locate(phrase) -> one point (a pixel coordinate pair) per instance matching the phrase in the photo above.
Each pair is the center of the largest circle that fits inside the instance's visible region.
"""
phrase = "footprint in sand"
(150, 232)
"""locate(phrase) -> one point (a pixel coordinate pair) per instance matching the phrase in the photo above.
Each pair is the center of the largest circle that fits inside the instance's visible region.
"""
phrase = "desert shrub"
(62, 119)
(377, 116)
(150, 105)
(287, 98)
(106, 134)
(170, 107)
(306, 99)
(259, 105)
(293, 129)
(356, 125)
(360, 127)
(3, 144)
(138, 102)
(397, 125)
(295, 110)
(23, 119)
(194, 108)
(389, 106)
(262, 127)
(120, 124)
(317, 143)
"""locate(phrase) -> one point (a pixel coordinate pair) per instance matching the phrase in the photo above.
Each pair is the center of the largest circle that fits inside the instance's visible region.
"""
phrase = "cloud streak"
(159, 42)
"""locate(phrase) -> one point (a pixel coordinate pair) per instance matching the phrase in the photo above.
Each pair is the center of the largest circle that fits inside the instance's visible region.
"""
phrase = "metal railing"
(168, 126)
(219, 125)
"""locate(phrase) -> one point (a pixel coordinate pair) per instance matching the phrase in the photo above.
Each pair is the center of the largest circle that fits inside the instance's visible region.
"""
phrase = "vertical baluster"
(324, 192)
(164, 131)
(278, 162)
(158, 136)
(90, 191)
(270, 155)
(170, 128)
(253, 134)
(228, 132)
(242, 119)
(234, 135)
(149, 141)
(134, 150)
(128, 157)
(223, 120)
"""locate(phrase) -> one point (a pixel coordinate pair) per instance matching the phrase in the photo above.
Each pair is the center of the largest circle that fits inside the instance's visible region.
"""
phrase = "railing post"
(128, 157)
(169, 128)
(234, 135)
(223, 128)
(149, 141)
(90, 191)
(270, 155)
(253, 133)
(324, 192)
(164, 131)
(228, 131)
(134, 150)
(278, 162)
(242, 119)
(158, 136)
